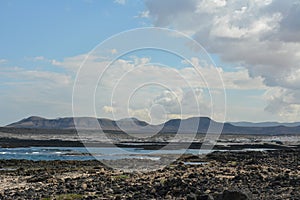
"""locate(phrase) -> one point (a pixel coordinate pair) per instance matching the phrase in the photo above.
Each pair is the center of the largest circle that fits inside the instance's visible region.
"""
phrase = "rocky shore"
(218, 176)
(8, 142)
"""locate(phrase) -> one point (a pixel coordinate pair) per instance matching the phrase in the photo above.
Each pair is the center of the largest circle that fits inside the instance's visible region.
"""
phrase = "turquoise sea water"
(81, 153)
(103, 153)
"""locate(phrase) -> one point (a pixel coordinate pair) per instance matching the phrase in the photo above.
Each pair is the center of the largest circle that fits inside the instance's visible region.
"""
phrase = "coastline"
(251, 175)
(242, 166)
(225, 142)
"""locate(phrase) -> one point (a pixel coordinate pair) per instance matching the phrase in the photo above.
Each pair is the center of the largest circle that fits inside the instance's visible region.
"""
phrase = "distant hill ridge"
(190, 125)
(264, 124)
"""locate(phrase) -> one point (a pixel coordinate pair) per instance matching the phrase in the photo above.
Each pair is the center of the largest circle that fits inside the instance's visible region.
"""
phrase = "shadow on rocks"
(234, 195)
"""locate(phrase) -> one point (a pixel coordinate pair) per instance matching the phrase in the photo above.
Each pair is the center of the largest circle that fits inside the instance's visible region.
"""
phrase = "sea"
(95, 153)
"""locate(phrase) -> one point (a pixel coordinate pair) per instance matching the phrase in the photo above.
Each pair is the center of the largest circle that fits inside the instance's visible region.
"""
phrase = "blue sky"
(254, 44)
(61, 29)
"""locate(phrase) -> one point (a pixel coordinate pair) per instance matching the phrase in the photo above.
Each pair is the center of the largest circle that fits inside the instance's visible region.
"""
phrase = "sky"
(125, 58)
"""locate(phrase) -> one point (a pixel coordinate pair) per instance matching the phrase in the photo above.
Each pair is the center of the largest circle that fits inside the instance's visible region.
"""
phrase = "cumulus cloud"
(132, 87)
(284, 102)
(263, 36)
(135, 85)
(143, 114)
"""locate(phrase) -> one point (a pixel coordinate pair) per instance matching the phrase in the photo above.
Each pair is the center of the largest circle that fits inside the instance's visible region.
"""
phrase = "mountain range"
(264, 124)
(190, 125)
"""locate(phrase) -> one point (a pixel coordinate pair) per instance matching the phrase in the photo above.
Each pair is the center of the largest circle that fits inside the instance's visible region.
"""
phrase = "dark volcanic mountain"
(60, 123)
(264, 124)
(190, 125)
(85, 123)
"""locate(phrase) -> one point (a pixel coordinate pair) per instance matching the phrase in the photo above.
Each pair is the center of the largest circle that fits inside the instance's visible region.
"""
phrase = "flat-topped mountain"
(80, 122)
(190, 125)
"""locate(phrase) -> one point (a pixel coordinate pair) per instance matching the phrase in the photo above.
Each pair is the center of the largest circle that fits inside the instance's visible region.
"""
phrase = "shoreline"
(6, 142)
(253, 175)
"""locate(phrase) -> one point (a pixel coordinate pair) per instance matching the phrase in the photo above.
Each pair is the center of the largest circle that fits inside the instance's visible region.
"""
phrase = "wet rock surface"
(224, 175)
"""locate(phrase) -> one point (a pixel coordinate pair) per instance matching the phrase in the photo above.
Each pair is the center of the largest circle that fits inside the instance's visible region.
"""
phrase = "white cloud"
(2, 61)
(135, 85)
(262, 36)
(55, 63)
(120, 93)
(224, 28)
(143, 14)
(108, 109)
(113, 51)
(17, 74)
(143, 114)
(122, 2)
(168, 93)
(33, 92)
(39, 58)
(284, 102)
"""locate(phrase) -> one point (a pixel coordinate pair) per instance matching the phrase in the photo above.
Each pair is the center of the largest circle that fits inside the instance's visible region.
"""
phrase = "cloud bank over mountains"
(261, 35)
(256, 44)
